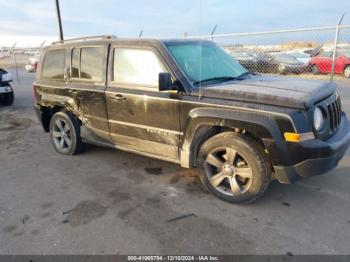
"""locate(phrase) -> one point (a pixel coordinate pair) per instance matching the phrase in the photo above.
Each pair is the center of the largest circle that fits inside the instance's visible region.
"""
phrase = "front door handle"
(119, 97)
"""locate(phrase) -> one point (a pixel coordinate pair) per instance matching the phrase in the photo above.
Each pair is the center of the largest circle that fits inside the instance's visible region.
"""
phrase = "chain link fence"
(306, 52)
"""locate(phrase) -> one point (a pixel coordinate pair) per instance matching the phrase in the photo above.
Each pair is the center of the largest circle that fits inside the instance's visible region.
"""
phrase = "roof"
(109, 39)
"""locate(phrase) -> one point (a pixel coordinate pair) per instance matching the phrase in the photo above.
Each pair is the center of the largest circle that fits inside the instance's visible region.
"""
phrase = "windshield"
(299, 55)
(284, 58)
(202, 61)
(346, 53)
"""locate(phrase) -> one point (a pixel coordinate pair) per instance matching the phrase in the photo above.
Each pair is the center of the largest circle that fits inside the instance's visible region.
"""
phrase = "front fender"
(268, 127)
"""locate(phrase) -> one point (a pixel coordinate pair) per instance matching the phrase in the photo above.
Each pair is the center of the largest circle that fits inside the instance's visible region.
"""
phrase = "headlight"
(319, 119)
(6, 77)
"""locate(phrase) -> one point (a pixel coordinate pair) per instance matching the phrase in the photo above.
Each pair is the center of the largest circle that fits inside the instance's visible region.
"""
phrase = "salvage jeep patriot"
(188, 102)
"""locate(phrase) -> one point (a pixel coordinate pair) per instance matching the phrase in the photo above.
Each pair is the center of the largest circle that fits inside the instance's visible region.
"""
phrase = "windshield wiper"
(220, 78)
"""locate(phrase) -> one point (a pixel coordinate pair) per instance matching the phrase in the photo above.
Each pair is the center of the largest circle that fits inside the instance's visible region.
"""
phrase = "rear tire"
(65, 133)
(8, 99)
(234, 167)
(347, 71)
(315, 70)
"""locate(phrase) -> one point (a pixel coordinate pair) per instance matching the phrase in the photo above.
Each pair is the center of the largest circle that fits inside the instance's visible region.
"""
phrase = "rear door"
(87, 84)
(141, 118)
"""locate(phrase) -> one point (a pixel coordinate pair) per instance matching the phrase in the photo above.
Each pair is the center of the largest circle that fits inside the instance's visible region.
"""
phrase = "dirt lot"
(111, 202)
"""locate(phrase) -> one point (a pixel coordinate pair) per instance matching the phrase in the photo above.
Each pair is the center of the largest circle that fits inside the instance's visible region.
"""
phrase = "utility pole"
(60, 30)
(14, 61)
(213, 32)
(335, 46)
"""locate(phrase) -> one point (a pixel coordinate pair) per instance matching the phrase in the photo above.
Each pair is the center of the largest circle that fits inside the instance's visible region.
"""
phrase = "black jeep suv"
(6, 92)
(188, 102)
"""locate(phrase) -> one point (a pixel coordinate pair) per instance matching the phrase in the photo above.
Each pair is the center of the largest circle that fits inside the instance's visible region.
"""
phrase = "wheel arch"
(49, 111)
(204, 123)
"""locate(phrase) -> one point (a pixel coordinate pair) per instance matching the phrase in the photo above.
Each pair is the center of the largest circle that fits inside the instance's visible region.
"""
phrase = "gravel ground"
(111, 202)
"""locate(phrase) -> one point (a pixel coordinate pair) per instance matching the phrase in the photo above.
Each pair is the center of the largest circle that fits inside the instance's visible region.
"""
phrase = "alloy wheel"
(228, 171)
(62, 136)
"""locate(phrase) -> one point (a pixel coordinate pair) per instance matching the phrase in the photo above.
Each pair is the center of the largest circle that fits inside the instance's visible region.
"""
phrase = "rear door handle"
(119, 97)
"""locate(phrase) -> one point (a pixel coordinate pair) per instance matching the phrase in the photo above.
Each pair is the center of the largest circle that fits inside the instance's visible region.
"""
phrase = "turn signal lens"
(292, 137)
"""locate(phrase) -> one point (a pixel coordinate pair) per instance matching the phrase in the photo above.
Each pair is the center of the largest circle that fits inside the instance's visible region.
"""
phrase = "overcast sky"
(35, 20)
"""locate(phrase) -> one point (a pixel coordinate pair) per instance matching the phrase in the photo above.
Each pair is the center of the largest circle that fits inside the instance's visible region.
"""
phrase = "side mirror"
(165, 82)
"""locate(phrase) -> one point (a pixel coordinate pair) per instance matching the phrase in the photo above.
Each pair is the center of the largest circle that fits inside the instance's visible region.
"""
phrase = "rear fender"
(68, 103)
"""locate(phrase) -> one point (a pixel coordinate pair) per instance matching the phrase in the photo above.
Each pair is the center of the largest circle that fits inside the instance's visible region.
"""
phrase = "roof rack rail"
(84, 38)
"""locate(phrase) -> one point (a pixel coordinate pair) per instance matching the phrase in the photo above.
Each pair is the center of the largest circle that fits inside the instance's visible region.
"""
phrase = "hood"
(280, 91)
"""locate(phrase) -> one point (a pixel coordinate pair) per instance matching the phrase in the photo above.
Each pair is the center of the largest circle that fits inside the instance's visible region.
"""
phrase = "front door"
(141, 118)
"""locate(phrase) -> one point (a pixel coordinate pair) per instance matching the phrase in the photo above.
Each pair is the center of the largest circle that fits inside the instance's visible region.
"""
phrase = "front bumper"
(316, 156)
(5, 89)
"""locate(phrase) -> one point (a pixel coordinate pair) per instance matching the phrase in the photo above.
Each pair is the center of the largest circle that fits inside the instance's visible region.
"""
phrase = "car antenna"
(213, 32)
(200, 50)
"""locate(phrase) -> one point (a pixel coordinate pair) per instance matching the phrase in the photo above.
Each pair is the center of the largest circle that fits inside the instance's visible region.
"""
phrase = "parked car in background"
(6, 91)
(322, 64)
(32, 52)
(300, 56)
(288, 63)
(255, 62)
(32, 64)
(5, 52)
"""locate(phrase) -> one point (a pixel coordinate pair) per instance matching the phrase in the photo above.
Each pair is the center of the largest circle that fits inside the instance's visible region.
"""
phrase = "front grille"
(334, 113)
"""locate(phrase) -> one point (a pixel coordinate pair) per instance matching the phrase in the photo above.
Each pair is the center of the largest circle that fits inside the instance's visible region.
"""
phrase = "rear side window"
(53, 65)
(75, 63)
(87, 63)
(136, 66)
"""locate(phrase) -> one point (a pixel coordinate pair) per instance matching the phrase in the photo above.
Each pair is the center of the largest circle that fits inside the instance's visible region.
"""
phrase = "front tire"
(8, 99)
(347, 71)
(65, 133)
(234, 167)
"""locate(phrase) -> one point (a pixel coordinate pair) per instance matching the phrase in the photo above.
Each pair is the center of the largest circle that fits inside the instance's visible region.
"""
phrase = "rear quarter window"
(53, 64)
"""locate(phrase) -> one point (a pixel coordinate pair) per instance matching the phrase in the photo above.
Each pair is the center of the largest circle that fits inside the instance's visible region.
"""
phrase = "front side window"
(136, 66)
(88, 63)
(53, 64)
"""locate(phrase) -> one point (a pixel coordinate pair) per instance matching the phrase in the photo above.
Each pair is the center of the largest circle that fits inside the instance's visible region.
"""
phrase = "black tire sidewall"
(73, 128)
(256, 160)
(8, 99)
